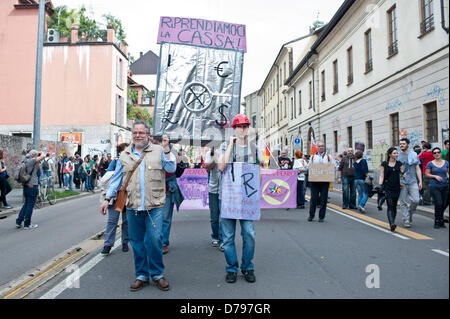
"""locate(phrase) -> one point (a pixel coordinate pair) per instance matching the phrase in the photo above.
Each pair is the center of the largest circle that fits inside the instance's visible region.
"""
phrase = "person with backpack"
(27, 175)
(239, 150)
(47, 168)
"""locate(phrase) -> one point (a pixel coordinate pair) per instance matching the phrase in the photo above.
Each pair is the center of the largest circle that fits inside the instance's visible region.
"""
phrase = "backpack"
(21, 175)
(45, 166)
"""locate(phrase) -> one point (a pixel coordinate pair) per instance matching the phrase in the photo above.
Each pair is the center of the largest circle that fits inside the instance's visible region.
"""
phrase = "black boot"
(436, 225)
(442, 224)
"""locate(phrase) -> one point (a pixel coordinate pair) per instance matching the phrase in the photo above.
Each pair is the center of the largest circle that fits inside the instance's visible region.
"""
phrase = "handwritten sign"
(240, 197)
(319, 172)
(214, 34)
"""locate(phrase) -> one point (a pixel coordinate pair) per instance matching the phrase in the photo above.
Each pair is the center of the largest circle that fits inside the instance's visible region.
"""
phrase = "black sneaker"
(310, 219)
(106, 250)
(249, 275)
(231, 277)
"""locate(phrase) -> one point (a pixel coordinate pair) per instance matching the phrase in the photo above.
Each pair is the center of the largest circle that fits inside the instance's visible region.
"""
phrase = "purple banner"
(194, 187)
(278, 188)
(207, 33)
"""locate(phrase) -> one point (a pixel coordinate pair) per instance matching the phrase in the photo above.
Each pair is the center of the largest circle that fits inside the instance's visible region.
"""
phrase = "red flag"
(314, 149)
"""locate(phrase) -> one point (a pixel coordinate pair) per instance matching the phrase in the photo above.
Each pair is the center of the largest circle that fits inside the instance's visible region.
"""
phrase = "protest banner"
(217, 34)
(240, 195)
(199, 79)
(321, 172)
(279, 188)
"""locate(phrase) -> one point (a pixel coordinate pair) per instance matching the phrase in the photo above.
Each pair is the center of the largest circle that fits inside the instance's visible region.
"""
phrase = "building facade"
(252, 108)
(84, 87)
(380, 73)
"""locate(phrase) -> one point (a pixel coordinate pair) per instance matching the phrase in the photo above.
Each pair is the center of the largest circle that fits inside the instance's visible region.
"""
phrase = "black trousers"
(440, 197)
(391, 200)
(319, 194)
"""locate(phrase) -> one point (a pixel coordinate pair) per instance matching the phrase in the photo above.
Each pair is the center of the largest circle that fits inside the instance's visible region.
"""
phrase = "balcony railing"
(427, 25)
(393, 48)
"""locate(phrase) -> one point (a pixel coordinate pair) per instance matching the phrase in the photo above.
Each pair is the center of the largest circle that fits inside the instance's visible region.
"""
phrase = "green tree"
(117, 26)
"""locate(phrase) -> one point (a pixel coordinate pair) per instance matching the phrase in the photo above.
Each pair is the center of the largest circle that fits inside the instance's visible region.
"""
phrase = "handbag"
(122, 194)
(368, 180)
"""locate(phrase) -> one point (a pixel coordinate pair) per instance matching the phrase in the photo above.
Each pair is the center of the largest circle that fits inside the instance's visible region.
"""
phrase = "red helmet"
(240, 119)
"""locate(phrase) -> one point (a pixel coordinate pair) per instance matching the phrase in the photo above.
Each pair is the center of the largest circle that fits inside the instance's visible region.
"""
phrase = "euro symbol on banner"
(220, 69)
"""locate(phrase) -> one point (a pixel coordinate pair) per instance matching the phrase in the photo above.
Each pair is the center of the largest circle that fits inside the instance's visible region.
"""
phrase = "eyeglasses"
(139, 133)
(436, 152)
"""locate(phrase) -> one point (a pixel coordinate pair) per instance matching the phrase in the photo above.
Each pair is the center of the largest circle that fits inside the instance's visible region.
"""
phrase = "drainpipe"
(314, 87)
(443, 17)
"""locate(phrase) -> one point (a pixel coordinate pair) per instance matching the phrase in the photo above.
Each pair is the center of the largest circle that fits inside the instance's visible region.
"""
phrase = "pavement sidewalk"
(425, 210)
(15, 199)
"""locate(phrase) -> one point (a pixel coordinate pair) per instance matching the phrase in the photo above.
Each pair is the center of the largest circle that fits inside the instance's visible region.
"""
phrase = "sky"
(269, 24)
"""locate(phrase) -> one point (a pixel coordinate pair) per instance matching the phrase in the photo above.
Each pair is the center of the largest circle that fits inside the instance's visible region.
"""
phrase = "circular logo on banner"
(276, 192)
(196, 97)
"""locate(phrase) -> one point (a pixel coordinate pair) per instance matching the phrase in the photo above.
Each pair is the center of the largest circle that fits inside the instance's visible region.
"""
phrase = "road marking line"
(29, 282)
(382, 224)
(440, 252)
(59, 288)
(368, 224)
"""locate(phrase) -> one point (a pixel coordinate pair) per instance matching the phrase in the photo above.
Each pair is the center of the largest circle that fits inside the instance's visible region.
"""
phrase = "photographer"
(30, 190)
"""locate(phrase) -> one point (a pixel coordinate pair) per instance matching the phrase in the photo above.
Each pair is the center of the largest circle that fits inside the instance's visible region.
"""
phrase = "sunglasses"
(436, 152)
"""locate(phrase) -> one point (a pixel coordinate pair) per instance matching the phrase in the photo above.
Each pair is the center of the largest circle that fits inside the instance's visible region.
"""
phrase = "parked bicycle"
(46, 192)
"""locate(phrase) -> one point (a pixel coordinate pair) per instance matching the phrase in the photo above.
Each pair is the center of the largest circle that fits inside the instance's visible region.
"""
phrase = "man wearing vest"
(238, 150)
(319, 190)
(146, 198)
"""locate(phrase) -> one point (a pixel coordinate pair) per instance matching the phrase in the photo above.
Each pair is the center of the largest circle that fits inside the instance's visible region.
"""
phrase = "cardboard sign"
(241, 196)
(319, 172)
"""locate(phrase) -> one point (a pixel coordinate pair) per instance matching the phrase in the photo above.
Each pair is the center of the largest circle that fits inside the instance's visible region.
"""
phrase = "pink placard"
(215, 34)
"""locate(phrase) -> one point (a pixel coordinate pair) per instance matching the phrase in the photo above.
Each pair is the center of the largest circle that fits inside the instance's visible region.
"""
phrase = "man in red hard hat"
(239, 150)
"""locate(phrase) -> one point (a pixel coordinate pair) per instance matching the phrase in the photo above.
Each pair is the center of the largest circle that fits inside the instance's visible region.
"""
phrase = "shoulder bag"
(122, 195)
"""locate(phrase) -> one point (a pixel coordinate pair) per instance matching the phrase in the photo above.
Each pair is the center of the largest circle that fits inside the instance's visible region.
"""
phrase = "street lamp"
(38, 79)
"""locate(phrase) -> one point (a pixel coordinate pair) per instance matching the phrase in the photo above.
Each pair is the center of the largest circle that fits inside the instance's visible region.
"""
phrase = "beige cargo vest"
(155, 178)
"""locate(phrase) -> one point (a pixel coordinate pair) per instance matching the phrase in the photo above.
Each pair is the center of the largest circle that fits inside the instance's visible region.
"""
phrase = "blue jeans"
(48, 175)
(248, 244)
(167, 220)
(300, 193)
(111, 227)
(87, 183)
(145, 233)
(363, 194)
(214, 214)
(348, 192)
(30, 194)
(68, 179)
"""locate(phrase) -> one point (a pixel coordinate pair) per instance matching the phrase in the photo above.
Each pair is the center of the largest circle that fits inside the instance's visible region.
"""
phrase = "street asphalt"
(294, 259)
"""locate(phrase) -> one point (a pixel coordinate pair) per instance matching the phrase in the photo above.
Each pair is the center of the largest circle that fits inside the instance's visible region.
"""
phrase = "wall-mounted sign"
(73, 138)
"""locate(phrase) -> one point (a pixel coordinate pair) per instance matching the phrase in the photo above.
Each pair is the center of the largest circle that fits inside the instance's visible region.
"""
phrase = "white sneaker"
(406, 225)
(32, 226)
(215, 243)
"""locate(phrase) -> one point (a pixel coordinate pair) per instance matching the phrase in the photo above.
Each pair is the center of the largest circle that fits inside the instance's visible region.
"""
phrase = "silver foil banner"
(198, 92)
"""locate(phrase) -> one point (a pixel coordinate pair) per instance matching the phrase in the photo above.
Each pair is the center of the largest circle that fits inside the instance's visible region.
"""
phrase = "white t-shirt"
(300, 164)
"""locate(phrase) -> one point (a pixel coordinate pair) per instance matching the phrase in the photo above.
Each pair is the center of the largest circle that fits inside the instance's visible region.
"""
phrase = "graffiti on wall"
(436, 93)
(393, 106)
(380, 147)
(414, 136)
